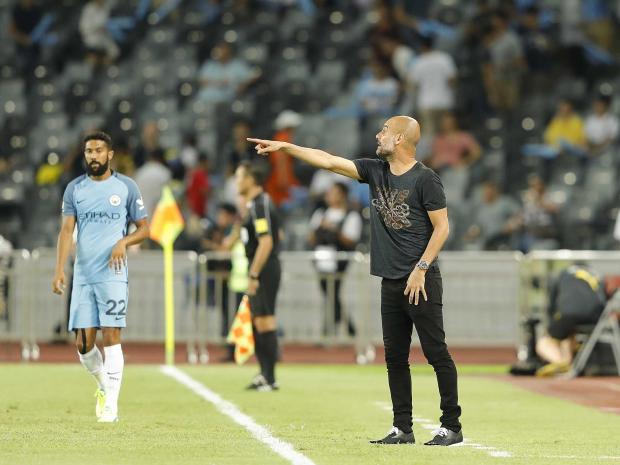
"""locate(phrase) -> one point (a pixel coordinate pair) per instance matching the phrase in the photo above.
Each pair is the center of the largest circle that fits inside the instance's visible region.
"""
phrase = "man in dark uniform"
(260, 233)
(409, 225)
(576, 297)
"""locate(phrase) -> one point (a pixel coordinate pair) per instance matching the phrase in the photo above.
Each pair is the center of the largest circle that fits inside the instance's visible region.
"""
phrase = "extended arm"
(314, 157)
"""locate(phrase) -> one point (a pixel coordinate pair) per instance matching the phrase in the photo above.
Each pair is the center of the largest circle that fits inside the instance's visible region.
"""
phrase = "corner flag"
(241, 332)
(166, 225)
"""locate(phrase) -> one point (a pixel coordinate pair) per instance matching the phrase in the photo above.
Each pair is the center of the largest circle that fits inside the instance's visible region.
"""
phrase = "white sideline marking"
(428, 424)
(282, 448)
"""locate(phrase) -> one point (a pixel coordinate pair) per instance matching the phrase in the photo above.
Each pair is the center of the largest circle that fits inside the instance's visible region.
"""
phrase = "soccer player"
(260, 233)
(102, 204)
(409, 225)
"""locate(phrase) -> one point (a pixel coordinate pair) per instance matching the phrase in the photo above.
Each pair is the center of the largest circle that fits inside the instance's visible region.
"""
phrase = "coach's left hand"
(253, 286)
(117, 259)
(415, 285)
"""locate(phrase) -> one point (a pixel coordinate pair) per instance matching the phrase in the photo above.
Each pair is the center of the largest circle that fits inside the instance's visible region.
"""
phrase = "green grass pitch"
(327, 413)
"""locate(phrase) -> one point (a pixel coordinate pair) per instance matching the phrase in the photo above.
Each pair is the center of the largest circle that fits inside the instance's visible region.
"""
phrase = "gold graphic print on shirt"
(390, 203)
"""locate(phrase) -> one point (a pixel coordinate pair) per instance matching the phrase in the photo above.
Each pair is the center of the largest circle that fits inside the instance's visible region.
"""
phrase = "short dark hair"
(342, 187)
(255, 171)
(228, 208)
(99, 135)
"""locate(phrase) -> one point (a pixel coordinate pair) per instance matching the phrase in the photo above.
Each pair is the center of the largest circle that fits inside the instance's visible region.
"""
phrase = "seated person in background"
(577, 297)
(496, 218)
(453, 147)
(601, 125)
(93, 27)
(335, 228)
(539, 218)
(566, 131)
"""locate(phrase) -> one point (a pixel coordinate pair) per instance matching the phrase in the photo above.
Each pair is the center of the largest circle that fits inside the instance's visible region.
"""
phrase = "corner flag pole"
(169, 301)
(166, 226)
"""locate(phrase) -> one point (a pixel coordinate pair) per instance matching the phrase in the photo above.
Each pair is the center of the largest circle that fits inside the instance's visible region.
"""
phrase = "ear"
(399, 138)
(110, 154)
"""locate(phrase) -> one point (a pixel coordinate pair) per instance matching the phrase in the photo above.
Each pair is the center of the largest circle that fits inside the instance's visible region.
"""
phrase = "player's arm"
(65, 241)
(117, 258)
(314, 157)
(265, 246)
(441, 230)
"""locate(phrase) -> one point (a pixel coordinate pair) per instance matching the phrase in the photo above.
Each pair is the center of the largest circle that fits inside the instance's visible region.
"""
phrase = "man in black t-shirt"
(409, 225)
(260, 233)
(576, 297)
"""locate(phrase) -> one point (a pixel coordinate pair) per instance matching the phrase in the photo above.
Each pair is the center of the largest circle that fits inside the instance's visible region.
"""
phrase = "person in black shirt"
(25, 17)
(409, 225)
(260, 233)
(576, 297)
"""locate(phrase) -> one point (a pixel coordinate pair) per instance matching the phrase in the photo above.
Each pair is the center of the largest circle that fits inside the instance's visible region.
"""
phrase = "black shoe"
(396, 436)
(445, 437)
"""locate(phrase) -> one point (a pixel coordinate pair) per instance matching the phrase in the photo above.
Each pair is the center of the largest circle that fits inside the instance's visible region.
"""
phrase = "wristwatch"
(422, 265)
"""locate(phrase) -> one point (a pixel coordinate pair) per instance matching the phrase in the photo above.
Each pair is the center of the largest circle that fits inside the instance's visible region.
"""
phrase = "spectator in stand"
(199, 187)
(539, 228)
(601, 126)
(377, 93)
(537, 46)
(335, 228)
(151, 179)
(453, 147)
(566, 130)
(495, 219)
(148, 144)
(223, 76)
(101, 47)
(188, 154)
(432, 75)
(25, 17)
(505, 64)
(240, 149)
(282, 179)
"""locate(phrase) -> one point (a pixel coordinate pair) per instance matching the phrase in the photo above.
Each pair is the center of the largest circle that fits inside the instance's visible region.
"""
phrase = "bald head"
(398, 138)
(407, 126)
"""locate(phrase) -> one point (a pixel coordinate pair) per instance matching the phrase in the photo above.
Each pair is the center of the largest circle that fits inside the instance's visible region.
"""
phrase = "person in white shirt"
(95, 36)
(151, 179)
(432, 75)
(336, 228)
(601, 126)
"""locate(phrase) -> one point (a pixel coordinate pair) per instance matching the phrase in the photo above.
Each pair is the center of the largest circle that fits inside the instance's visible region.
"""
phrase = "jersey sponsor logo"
(99, 217)
(261, 226)
(140, 203)
(115, 200)
(390, 203)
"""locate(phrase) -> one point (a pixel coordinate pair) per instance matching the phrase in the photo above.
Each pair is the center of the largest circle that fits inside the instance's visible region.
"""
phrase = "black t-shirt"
(400, 227)
(577, 293)
(262, 219)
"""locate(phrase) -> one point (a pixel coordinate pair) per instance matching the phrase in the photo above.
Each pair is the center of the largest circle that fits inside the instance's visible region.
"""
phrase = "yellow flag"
(241, 332)
(167, 221)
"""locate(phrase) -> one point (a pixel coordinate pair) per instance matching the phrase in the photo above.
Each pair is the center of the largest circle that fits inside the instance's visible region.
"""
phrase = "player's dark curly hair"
(99, 135)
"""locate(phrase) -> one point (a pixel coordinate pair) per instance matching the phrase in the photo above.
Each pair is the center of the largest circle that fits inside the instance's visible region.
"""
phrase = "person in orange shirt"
(282, 176)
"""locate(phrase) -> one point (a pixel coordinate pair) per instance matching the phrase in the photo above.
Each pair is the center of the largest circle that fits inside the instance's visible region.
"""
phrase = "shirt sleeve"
(364, 167)
(68, 207)
(135, 205)
(432, 193)
(261, 217)
(316, 219)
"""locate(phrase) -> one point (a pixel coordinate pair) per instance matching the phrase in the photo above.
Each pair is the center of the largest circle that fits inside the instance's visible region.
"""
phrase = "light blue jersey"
(103, 211)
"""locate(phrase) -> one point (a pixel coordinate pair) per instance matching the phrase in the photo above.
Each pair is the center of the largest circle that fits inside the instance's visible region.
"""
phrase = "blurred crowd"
(516, 101)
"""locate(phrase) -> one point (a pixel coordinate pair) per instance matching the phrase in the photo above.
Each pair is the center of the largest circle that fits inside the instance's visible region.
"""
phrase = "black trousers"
(398, 318)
